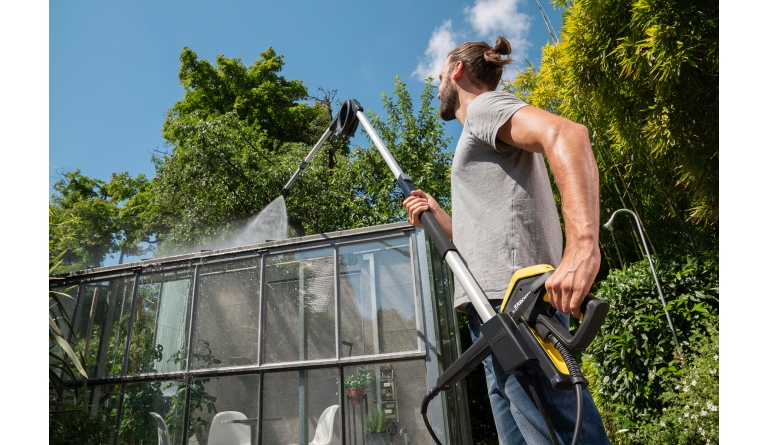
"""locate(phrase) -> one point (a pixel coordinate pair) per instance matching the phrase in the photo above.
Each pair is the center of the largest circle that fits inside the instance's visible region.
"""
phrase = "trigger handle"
(594, 312)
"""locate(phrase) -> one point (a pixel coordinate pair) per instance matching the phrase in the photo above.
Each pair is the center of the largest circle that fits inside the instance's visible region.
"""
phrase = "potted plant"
(376, 426)
(356, 385)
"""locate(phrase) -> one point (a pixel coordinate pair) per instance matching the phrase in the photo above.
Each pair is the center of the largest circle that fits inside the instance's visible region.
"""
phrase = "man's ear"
(459, 70)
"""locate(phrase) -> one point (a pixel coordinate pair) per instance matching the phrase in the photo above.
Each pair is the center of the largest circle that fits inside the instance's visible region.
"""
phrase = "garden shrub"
(634, 355)
(691, 411)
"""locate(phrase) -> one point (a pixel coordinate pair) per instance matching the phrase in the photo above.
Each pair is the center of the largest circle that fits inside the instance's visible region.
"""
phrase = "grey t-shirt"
(503, 212)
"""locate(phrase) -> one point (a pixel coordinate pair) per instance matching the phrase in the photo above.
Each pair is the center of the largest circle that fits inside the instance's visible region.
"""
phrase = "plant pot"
(355, 395)
(377, 438)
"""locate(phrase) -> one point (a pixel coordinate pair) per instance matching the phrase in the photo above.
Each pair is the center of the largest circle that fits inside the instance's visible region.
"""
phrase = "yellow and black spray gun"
(523, 336)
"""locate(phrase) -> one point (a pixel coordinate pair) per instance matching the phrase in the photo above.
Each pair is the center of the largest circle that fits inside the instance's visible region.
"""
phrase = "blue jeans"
(517, 418)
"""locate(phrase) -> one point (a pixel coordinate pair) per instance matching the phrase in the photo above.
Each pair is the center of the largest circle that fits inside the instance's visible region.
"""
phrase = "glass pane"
(301, 404)
(377, 298)
(383, 403)
(93, 423)
(159, 336)
(227, 315)
(224, 410)
(102, 323)
(151, 410)
(299, 314)
(448, 340)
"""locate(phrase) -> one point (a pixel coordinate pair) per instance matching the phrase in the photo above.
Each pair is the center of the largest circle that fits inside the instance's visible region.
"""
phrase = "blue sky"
(113, 66)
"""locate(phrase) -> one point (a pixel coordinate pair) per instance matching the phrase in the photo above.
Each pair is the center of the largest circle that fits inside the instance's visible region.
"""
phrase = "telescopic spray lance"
(524, 336)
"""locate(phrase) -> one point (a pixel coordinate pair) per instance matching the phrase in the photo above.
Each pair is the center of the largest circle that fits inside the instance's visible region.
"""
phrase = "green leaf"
(68, 350)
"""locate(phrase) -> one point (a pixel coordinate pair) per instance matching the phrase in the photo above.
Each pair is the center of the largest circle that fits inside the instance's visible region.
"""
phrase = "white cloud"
(441, 43)
(492, 18)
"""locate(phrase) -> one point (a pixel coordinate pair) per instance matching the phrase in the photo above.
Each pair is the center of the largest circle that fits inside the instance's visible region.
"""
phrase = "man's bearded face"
(447, 95)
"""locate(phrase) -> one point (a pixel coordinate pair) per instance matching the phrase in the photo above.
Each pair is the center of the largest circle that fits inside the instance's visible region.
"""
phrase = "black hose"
(579, 416)
(540, 407)
(424, 410)
(577, 379)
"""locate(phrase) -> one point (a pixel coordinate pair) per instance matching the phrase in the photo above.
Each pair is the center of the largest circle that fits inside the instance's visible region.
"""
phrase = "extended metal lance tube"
(307, 159)
(453, 259)
(389, 159)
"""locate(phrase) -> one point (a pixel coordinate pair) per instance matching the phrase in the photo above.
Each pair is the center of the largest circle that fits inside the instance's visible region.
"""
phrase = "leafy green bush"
(376, 421)
(691, 412)
(634, 355)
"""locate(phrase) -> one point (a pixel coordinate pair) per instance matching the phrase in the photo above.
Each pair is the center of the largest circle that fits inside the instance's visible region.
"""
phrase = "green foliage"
(69, 419)
(376, 421)
(643, 77)
(91, 219)
(136, 423)
(199, 398)
(691, 400)
(79, 427)
(361, 379)
(634, 354)
(63, 361)
(220, 172)
(141, 399)
(257, 95)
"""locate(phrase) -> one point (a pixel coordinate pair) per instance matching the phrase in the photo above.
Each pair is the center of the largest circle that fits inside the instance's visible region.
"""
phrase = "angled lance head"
(345, 123)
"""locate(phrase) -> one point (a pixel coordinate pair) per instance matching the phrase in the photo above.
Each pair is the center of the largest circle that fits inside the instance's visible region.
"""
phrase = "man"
(505, 218)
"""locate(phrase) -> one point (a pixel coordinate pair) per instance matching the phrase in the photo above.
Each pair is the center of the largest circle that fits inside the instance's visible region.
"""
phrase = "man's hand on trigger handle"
(572, 280)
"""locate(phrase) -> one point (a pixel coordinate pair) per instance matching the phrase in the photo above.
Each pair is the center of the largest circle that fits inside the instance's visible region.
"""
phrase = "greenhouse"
(322, 339)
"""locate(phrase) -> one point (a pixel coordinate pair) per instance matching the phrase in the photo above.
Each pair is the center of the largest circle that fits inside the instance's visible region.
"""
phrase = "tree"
(220, 172)
(643, 77)
(257, 95)
(91, 219)
(417, 141)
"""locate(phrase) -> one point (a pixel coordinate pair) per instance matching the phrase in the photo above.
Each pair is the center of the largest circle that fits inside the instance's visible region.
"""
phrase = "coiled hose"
(577, 380)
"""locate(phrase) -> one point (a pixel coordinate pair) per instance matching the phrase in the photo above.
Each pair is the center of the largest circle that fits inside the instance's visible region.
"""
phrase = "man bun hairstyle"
(483, 62)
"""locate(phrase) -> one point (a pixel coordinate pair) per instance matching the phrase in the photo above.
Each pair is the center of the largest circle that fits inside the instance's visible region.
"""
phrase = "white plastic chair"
(324, 431)
(163, 438)
(229, 433)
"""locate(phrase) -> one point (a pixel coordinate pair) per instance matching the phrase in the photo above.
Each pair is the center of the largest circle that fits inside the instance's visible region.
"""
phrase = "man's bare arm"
(568, 148)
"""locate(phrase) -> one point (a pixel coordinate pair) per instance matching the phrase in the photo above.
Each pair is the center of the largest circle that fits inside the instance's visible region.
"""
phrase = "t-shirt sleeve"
(488, 112)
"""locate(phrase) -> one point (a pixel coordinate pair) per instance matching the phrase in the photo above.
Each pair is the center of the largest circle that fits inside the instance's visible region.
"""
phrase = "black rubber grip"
(436, 233)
